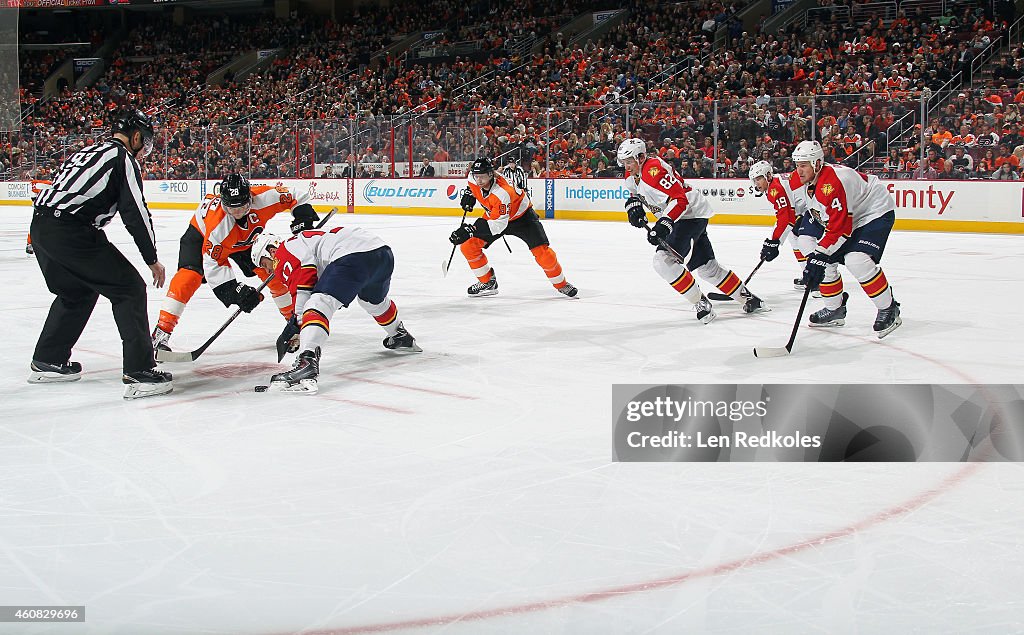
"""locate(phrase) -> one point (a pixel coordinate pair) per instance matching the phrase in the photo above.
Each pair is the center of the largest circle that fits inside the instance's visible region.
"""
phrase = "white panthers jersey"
(315, 248)
(843, 200)
(665, 193)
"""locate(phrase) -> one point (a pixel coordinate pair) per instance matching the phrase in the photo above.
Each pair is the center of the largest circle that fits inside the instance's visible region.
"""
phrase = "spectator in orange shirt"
(1006, 157)
(942, 138)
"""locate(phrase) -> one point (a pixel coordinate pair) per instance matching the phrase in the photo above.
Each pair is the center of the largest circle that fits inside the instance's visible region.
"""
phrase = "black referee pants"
(79, 264)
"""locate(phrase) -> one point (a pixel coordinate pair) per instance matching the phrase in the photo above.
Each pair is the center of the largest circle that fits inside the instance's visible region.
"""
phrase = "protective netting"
(10, 101)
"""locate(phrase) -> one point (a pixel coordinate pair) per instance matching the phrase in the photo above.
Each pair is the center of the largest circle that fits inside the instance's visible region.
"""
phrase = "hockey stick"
(761, 351)
(175, 357)
(178, 357)
(721, 296)
(445, 266)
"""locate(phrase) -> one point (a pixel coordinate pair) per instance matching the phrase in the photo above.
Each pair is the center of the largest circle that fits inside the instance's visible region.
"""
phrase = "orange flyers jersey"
(665, 193)
(503, 202)
(843, 200)
(299, 260)
(38, 185)
(786, 194)
(223, 235)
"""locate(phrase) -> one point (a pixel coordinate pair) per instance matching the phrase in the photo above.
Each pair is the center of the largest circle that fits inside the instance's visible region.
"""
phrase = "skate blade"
(305, 386)
(833, 323)
(406, 349)
(892, 328)
(140, 391)
(42, 377)
(708, 319)
(483, 294)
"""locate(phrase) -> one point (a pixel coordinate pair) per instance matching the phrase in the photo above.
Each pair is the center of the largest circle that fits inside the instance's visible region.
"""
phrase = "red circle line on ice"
(894, 511)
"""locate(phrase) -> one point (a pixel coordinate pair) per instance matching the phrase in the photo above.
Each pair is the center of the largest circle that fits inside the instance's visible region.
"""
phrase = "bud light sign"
(372, 192)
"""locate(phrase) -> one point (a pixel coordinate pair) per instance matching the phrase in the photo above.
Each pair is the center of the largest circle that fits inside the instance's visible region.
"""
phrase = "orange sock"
(473, 250)
(548, 261)
(183, 286)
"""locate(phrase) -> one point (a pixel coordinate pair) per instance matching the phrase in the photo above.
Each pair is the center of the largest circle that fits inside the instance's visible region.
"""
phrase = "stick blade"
(444, 268)
(768, 351)
(174, 357)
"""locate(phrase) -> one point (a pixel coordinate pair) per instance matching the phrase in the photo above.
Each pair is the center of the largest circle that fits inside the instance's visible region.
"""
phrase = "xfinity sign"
(371, 191)
(594, 193)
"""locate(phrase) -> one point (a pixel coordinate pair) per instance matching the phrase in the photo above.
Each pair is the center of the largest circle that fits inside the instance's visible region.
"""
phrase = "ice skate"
(402, 341)
(160, 339)
(29, 250)
(754, 304)
(888, 319)
(481, 289)
(831, 317)
(146, 383)
(705, 312)
(568, 290)
(43, 373)
(302, 377)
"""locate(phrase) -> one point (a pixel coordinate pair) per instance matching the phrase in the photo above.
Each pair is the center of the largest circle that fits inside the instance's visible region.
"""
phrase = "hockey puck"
(261, 388)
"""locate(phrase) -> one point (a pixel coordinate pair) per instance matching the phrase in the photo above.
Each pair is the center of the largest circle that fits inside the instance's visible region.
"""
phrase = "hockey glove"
(303, 218)
(468, 201)
(288, 341)
(814, 270)
(247, 297)
(659, 231)
(462, 234)
(770, 250)
(635, 211)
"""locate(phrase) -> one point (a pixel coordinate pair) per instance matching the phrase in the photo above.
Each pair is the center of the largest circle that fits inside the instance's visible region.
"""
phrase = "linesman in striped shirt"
(80, 264)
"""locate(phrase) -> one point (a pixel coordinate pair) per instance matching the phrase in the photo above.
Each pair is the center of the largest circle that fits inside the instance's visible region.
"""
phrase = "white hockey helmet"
(262, 246)
(759, 169)
(809, 151)
(630, 149)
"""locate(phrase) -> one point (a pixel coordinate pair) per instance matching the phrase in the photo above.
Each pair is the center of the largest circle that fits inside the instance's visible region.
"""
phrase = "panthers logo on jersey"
(827, 189)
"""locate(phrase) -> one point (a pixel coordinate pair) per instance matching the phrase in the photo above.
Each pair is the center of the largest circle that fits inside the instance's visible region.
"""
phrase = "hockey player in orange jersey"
(507, 211)
(224, 228)
(38, 185)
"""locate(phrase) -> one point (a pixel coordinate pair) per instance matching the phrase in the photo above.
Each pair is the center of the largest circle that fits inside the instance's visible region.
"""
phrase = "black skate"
(402, 341)
(831, 317)
(481, 289)
(146, 383)
(568, 290)
(302, 377)
(160, 338)
(888, 319)
(43, 373)
(29, 250)
(754, 304)
(705, 312)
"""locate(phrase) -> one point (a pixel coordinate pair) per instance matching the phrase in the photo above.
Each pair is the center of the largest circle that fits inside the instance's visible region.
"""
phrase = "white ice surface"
(470, 490)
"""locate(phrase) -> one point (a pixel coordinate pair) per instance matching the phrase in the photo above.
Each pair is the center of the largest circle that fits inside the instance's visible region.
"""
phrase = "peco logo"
(371, 191)
(176, 187)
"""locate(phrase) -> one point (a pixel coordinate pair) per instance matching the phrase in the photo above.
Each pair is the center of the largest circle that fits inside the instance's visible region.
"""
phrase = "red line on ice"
(896, 511)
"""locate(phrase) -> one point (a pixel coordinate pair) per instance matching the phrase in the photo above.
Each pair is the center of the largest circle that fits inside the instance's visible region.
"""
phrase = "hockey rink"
(470, 489)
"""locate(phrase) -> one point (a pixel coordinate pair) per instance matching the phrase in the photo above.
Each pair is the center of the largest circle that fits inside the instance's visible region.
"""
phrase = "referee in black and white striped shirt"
(79, 264)
(513, 173)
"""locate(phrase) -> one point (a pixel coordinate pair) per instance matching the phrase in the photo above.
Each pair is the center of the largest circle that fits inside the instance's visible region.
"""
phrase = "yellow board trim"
(910, 224)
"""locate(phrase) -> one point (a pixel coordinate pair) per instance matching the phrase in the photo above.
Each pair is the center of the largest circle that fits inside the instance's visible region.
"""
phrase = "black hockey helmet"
(482, 165)
(132, 121)
(234, 191)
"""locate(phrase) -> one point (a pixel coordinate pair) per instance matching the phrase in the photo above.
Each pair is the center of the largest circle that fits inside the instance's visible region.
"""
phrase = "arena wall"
(973, 206)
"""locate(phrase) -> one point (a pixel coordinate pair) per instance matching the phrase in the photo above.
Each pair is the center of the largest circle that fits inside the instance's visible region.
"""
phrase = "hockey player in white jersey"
(857, 213)
(325, 270)
(792, 222)
(683, 215)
